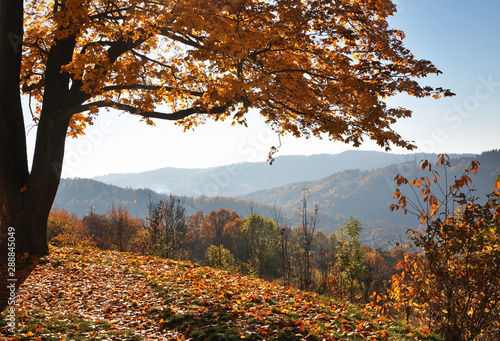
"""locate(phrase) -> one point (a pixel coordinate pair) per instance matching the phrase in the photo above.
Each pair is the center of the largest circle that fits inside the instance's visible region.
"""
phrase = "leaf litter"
(108, 295)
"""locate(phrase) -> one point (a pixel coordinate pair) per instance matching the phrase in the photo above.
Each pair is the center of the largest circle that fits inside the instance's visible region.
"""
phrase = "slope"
(87, 294)
(367, 195)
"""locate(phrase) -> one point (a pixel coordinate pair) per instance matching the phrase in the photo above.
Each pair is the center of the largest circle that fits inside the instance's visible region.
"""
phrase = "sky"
(460, 37)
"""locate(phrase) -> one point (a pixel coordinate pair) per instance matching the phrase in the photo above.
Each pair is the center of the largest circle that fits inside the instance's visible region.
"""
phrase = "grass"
(42, 327)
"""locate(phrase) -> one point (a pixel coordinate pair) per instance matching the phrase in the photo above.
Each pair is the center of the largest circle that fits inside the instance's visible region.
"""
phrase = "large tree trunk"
(43, 183)
(26, 206)
(26, 198)
(13, 155)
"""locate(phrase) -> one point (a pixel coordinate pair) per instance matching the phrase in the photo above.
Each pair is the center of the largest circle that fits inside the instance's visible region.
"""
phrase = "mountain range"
(244, 178)
(364, 193)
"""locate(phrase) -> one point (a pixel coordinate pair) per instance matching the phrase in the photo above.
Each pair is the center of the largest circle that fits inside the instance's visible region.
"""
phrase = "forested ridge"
(248, 177)
(367, 194)
(364, 194)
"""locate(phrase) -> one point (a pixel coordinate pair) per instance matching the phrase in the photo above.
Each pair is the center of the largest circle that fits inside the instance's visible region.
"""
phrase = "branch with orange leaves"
(431, 205)
(174, 116)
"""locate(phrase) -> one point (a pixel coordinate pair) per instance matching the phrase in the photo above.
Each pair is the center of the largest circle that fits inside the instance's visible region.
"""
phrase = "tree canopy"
(311, 68)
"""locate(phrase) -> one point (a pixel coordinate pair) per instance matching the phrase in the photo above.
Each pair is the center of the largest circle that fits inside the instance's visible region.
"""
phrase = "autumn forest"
(320, 69)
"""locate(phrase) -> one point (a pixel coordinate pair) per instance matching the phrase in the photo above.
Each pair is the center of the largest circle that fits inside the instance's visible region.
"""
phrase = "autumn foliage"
(309, 67)
(84, 293)
(66, 229)
(221, 239)
(450, 287)
(453, 285)
(446, 279)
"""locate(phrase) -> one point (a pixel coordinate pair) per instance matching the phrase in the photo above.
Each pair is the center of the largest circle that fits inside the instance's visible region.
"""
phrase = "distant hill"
(367, 195)
(79, 196)
(243, 178)
(364, 194)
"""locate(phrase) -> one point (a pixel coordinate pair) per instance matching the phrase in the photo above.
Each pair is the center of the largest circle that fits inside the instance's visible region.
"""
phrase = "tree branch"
(112, 14)
(115, 50)
(177, 115)
(303, 71)
(121, 46)
(149, 87)
(154, 61)
(34, 86)
(174, 36)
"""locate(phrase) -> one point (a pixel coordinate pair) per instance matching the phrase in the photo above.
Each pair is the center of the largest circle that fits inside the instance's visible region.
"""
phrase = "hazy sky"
(461, 37)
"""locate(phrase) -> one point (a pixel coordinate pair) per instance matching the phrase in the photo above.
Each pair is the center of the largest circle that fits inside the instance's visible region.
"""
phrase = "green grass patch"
(38, 325)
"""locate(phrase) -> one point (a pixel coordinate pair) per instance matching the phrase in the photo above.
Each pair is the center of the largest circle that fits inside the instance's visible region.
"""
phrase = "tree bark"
(49, 148)
(26, 197)
(13, 155)
(26, 207)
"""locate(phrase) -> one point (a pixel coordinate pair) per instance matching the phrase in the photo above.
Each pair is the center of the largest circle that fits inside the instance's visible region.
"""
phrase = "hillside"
(367, 195)
(244, 178)
(86, 294)
(79, 196)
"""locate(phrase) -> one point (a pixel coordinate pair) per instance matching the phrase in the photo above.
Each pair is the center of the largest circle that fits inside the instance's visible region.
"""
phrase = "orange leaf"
(425, 164)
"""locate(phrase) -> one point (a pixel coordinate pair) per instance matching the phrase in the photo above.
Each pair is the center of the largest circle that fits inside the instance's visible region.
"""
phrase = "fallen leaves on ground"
(103, 295)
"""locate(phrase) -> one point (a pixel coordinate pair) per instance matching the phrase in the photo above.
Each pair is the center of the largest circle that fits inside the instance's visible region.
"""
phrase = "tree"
(284, 228)
(377, 272)
(350, 258)
(322, 260)
(306, 236)
(61, 222)
(261, 238)
(213, 228)
(231, 236)
(114, 230)
(220, 258)
(65, 229)
(455, 281)
(196, 249)
(311, 68)
(123, 228)
(167, 227)
(98, 230)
